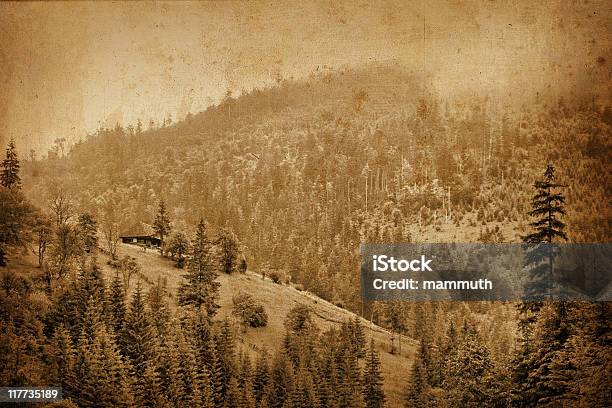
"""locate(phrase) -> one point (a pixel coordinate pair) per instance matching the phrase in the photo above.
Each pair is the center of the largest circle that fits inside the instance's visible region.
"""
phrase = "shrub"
(115, 263)
(249, 311)
(177, 247)
(276, 277)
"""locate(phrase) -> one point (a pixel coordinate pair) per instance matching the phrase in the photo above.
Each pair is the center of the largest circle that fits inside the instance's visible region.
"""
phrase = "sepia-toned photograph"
(305, 204)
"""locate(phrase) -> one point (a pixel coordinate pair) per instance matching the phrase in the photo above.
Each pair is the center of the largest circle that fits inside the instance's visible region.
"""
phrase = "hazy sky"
(67, 68)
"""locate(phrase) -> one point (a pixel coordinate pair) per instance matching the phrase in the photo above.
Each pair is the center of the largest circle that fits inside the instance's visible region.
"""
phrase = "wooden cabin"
(141, 234)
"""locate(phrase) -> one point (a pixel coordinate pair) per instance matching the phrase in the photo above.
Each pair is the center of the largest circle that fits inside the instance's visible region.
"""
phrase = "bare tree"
(43, 232)
(64, 251)
(61, 207)
(110, 228)
(111, 236)
(128, 268)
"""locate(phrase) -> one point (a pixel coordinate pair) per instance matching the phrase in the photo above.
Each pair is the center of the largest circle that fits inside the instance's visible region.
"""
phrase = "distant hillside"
(305, 171)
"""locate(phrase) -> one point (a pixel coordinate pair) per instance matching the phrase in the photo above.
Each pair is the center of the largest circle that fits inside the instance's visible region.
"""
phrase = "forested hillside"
(305, 171)
(294, 178)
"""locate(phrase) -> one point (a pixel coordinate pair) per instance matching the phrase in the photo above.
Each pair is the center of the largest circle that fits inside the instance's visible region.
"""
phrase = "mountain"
(305, 171)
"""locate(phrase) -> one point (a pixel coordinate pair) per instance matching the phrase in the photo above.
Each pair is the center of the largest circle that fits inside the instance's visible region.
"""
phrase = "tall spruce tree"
(373, 393)
(468, 373)
(547, 207)
(201, 289)
(328, 374)
(114, 387)
(281, 384)
(15, 216)
(138, 341)
(261, 377)
(224, 341)
(545, 384)
(87, 229)
(229, 251)
(582, 367)
(304, 394)
(195, 379)
(161, 224)
(352, 331)
(116, 303)
(9, 176)
(543, 326)
(348, 390)
(91, 285)
(99, 372)
(416, 395)
(169, 368)
(245, 382)
(217, 377)
(425, 359)
(157, 301)
(62, 357)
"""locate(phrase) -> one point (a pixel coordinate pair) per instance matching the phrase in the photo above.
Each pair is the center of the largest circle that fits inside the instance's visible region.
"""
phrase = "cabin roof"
(139, 229)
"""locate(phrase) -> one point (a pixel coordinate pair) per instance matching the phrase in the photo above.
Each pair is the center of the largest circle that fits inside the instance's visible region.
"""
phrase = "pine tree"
(157, 300)
(447, 348)
(352, 331)
(194, 378)
(547, 206)
(169, 369)
(201, 289)
(373, 393)
(88, 232)
(304, 394)
(9, 177)
(87, 371)
(261, 378)
(138, 341)
(217, 378)
(583, 365)
(62, 360)
(232, 399)
(148, 392)
(205, 392)
(348, 390)
(281, 384)
(91, 321)
(161, 224)
(415, 397)
(224, 341)
(534, 358)
(67, 311)
(245, 383)
(15, 213)
(116, 304)
(328, 379)
(198, 330)
(426, 359)
(90, 285)
(115, 384)
(229, 251)
(544, 383)
(100, 374)
(469, 373)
